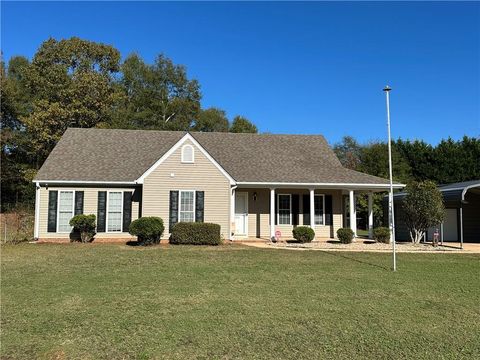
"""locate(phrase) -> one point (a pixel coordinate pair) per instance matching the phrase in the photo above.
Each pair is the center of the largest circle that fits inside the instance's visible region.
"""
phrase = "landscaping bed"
(358, 245)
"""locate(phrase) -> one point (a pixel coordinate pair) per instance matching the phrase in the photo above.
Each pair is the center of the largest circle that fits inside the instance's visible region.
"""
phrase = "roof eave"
(83, 182)
(343, 186)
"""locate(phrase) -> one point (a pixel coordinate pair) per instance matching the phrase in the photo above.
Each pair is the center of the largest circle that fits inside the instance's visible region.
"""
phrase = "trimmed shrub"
(85, 225)
(148, 230)
(303, 234)
(382, 235)
(195, 233)
(345, 235)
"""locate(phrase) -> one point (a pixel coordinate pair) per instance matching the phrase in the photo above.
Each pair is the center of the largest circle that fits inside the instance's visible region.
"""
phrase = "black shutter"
(52, 211)
(328, 210)
(78, 202)
(127, 210)
(306, 209)
(173, 209)
(101, 211)
(199, 205)
(295, 209)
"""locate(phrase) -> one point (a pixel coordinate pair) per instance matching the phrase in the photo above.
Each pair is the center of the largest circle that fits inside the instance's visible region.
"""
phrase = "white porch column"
(37, 211)
(461, 226)
(312, 209)
(272, 213)
(232, 214)
(353, 213)
(370, 215)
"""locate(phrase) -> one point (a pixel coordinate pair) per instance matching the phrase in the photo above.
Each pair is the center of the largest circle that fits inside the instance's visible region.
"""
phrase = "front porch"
(261, 214)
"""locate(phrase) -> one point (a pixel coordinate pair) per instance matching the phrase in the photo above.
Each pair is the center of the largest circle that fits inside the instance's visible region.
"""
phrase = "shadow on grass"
(338, 254)
(133, 243)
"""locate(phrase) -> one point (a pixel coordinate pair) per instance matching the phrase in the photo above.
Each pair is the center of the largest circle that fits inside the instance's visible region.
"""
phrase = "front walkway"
(360, 245)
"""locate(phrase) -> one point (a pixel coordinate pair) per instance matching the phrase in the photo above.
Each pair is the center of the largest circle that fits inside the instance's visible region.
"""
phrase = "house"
(462, 214)
(252, 185)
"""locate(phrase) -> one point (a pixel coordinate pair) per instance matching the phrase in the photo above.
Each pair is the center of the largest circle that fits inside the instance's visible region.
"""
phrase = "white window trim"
(121, 212)
(193, 154)
(58, 209)
(323, 207)
(278, 208)
(194, 203)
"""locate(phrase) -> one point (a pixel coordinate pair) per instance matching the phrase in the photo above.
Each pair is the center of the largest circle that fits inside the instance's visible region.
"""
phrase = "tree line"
(412, 161)
(79, 83)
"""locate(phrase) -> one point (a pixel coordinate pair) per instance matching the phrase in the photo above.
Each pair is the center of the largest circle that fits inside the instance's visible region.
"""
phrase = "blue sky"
(313, 68)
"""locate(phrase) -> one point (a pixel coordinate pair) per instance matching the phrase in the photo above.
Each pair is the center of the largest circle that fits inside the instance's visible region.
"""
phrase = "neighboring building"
(462, 215)
(252, 185)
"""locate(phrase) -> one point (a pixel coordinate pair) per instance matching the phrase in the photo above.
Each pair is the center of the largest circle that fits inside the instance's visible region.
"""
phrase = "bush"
(303, 234)
(148, 230)
(196, 233)
(345, 235)
(85, 225)
(382, 235)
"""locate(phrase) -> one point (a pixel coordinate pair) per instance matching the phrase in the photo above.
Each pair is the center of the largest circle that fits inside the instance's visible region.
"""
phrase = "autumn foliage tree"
(423, 208)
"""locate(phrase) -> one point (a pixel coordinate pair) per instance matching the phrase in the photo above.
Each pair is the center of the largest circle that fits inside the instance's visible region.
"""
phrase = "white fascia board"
(467, 188)
(323, 185)
(86, 182)
(165, 156)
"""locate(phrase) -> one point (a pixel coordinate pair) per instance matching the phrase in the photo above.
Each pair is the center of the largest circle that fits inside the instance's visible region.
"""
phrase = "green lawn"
(113, 301)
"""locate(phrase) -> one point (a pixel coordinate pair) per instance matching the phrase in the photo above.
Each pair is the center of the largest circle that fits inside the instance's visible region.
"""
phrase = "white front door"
(450, 228)
(241, 213)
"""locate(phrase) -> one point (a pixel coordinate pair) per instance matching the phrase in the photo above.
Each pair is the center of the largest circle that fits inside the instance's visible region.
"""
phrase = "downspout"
(37, 211)
(232, 211)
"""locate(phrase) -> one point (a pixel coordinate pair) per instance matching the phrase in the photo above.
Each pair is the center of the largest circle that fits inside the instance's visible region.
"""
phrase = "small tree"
(85, 225)
(423, 208)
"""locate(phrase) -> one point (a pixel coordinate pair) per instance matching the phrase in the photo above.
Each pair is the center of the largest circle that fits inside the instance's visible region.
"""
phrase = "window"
(65, 210)
(319, 206)
(284, 209)
(114, 211)
(187, 154)
(187, 206)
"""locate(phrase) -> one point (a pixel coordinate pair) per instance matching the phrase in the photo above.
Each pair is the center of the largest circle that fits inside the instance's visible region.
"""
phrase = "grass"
(179, 302)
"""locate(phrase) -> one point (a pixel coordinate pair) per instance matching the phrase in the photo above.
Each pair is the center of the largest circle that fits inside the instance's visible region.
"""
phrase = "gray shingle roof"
(124, 155)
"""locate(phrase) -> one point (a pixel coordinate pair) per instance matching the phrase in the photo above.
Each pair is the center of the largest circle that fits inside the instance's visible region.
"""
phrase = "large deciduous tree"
(212, 119)
(16, 173)
(158, 96)
(423, 208)
(348, 151)
(241, 124)
(374, 161)
(71, 82)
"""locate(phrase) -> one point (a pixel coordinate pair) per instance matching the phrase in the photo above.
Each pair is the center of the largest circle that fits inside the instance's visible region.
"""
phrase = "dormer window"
(187, 154)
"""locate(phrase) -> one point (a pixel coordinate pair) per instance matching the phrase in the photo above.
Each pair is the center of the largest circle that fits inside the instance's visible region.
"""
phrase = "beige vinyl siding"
(201, 175)
(90, 201)
(259, 213)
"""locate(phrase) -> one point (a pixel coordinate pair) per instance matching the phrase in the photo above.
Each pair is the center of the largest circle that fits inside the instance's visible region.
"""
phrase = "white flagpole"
(390, 195)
